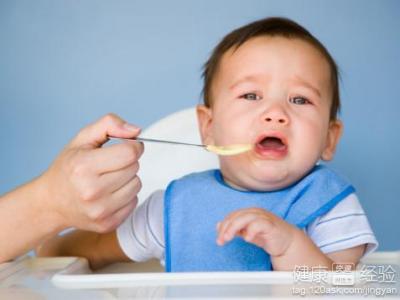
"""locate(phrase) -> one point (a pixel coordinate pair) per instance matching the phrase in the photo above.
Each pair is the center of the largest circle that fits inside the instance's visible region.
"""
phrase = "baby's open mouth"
(272, 143)
(272, 146)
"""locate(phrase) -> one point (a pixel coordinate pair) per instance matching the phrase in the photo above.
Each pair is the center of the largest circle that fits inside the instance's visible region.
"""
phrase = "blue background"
(63, 64)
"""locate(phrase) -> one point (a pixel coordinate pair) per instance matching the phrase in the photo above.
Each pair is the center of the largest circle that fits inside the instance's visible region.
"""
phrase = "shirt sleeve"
(343, 227)
(141, 235)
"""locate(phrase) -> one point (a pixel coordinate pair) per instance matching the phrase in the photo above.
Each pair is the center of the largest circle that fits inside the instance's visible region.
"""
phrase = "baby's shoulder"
(350, 206)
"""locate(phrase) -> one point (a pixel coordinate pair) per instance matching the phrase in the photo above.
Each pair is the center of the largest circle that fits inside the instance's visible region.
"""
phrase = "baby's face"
(275, 93)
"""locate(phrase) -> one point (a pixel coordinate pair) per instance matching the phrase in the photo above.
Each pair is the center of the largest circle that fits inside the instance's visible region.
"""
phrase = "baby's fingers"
(231, 227)
(256, 229)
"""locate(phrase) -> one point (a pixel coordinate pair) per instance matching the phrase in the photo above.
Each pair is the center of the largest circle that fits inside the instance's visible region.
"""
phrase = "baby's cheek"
(224, 134)
(306, 155)
(229, 129)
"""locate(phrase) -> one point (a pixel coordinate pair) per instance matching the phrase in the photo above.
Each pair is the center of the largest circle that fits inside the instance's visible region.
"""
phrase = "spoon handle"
(140, 139)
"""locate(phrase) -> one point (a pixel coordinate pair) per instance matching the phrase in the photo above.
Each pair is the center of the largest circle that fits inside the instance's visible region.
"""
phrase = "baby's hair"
(268, 27)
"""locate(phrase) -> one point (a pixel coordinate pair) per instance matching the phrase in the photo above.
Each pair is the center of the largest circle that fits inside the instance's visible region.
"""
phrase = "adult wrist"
(43, 207)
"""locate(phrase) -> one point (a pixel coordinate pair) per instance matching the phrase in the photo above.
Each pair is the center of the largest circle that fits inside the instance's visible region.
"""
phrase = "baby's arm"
(303, 252)
(100, 249)
(287, 245)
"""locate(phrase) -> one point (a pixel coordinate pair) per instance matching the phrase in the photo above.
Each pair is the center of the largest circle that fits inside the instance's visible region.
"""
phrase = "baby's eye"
(250, 96)
(299, 100)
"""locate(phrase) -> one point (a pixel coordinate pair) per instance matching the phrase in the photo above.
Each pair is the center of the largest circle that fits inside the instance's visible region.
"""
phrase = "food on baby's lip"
(229, 149)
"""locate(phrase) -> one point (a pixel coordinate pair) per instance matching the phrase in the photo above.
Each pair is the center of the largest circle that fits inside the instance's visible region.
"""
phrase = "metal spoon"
(220, 150)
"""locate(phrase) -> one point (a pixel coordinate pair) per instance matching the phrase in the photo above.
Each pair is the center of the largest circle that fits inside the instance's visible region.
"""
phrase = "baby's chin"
(266, 184)
(261, 180)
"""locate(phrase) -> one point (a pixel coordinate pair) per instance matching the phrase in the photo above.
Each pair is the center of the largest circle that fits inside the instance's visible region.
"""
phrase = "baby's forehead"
(264, 47)
(267, 58)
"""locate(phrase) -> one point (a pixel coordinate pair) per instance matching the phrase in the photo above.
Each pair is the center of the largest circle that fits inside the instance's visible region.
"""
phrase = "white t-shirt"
(141, 235)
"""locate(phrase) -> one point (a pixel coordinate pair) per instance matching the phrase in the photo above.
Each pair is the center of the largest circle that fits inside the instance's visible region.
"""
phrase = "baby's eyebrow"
(249, 78)
(256, 78)
(307, 85)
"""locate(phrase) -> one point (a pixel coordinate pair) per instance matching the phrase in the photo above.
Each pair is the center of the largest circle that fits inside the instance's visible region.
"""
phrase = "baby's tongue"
(272, 144)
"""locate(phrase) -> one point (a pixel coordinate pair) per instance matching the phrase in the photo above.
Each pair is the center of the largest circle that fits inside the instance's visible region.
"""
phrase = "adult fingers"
(116, 157)
(123, 195)
(108, 205)
(113, 181)
(96, 134)
(113, 221)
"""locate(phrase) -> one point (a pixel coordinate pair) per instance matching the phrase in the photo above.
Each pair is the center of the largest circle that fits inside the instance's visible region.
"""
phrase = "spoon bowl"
(233, 149)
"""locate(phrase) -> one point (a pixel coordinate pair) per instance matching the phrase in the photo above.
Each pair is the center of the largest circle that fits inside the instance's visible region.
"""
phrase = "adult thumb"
(110, 125)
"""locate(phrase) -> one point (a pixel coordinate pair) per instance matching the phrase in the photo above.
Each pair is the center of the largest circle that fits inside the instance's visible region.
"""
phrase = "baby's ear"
(204, 118)
(334, 133)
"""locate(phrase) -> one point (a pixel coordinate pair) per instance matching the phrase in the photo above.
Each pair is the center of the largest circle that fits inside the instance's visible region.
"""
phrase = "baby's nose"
(275, 114)
(282, 120)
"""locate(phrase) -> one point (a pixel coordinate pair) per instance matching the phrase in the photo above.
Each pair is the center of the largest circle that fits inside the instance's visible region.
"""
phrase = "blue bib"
(195, 203)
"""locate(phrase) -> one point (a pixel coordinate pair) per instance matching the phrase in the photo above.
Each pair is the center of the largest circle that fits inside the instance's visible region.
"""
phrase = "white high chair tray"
(70, 277)
(78, 275)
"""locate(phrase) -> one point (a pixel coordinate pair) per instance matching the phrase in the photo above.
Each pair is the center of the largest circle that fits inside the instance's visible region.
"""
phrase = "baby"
(271, 84)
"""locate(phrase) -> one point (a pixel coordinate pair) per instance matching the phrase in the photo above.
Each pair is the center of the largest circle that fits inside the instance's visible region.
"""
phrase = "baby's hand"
(259, 227)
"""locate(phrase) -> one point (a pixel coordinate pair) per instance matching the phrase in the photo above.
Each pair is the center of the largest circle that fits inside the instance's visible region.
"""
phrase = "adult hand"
(92, 187)
(88, 187)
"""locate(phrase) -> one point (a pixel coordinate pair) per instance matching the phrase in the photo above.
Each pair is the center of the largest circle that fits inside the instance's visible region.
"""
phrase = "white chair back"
(161, 163)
